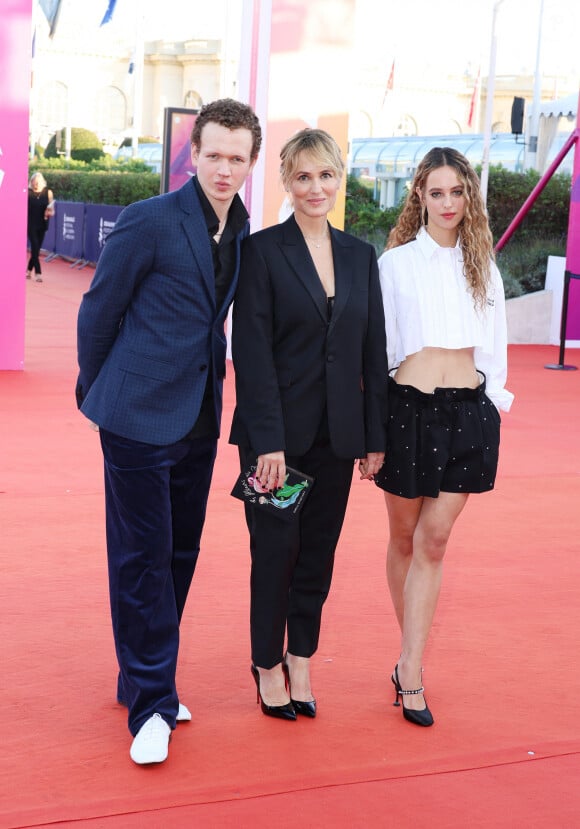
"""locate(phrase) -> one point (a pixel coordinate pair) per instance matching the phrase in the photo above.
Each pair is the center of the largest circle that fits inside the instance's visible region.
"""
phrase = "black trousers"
(36, 238)
(292, 562)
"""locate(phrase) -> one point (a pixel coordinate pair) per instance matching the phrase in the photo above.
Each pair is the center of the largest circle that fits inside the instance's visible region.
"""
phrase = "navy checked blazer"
(149, 331)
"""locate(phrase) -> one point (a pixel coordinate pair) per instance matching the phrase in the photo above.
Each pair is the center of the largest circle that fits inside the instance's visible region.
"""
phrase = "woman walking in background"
(447, 351)
(40, 209)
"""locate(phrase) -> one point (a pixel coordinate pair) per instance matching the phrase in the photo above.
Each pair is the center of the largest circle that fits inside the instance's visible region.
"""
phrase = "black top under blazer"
(291, 362)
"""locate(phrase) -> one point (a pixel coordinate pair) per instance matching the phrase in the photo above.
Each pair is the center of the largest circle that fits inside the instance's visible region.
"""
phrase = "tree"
(85, 145)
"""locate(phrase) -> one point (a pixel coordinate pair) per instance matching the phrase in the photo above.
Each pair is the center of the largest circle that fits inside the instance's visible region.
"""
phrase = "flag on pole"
(51, 9)
(390, 82)
(474, 97)
(109, 13)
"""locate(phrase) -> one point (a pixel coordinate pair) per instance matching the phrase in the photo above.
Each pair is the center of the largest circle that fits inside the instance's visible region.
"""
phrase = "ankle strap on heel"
(416, 691)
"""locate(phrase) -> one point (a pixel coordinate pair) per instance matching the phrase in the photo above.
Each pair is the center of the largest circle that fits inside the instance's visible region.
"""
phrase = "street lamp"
(489, 104)
(532, 154)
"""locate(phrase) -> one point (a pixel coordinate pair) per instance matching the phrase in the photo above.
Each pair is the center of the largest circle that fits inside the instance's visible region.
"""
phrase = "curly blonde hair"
(475, 237)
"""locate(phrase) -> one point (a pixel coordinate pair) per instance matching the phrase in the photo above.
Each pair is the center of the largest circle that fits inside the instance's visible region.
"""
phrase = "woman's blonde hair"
(319, 144)
(475, 237)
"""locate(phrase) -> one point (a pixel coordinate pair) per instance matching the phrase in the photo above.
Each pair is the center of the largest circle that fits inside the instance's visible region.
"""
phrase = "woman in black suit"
(309, 354)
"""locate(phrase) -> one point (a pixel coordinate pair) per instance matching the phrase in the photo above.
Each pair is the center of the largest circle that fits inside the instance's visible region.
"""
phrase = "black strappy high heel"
(282, 712)
(422, 717)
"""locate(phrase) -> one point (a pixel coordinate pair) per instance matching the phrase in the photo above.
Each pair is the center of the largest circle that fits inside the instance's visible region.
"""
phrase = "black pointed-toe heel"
(282, 712)
(422, 717)
(307, 708)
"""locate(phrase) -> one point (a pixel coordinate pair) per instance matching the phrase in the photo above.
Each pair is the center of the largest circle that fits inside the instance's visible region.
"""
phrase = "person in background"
(447, 351)
(308, 348)
(40, 209)
(151, 353)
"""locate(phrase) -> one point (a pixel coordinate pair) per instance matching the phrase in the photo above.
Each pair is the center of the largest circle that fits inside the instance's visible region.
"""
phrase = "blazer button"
(203, 367)
(330, 358)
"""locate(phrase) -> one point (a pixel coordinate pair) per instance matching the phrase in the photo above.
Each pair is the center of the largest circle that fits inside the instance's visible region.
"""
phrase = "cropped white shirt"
(428, 303)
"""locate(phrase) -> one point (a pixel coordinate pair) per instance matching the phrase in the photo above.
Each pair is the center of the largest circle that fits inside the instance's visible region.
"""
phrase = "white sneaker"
(151, 742)
(184, 714)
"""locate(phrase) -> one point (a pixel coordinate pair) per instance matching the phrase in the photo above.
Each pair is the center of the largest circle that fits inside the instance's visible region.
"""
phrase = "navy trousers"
(156, 499)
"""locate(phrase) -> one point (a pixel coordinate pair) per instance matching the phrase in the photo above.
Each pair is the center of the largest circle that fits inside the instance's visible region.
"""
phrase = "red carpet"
(500, 668)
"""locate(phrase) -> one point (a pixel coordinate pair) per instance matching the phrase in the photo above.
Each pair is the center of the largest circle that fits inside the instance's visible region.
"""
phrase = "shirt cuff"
(501, 398)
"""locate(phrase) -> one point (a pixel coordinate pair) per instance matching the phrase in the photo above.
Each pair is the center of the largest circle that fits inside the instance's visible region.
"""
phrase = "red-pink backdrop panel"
(15, 67)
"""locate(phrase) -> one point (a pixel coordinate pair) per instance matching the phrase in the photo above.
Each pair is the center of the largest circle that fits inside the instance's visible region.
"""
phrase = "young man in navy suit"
(151, 352)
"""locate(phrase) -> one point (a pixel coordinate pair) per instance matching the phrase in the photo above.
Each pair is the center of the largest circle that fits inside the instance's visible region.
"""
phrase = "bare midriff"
(433, 368)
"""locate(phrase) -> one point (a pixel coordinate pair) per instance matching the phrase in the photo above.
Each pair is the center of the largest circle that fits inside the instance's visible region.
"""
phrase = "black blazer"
(290, 361)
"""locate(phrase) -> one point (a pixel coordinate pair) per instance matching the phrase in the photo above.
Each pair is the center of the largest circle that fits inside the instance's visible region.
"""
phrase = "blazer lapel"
(234, 282)
(195, 229)
(296, 252)
(343, 272)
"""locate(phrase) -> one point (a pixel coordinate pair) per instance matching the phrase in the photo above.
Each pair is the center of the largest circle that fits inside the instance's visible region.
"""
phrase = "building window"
(52, 107)
(192, 100)
(110, 111)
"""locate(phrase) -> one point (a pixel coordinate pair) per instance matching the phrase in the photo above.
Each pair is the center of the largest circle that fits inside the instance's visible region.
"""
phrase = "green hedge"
(120, 185)
(548, 218)
(523, 260)
(522, 264)
(363, 216)
(506, 192)
(110, 182)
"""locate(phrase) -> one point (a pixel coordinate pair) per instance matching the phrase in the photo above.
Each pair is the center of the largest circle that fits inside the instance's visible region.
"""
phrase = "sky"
(454, 36)
(438, 37)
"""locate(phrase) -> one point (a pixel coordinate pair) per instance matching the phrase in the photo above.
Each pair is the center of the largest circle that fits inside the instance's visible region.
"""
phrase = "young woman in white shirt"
(447, 350)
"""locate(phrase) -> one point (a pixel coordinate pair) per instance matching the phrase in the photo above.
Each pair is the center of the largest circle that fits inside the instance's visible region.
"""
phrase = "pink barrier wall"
(15, 67)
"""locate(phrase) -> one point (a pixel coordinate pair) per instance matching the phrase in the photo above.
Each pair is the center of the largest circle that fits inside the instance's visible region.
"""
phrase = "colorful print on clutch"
(285, 501)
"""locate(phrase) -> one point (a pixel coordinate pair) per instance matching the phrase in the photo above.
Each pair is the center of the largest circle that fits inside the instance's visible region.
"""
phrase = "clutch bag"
(284, 502)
